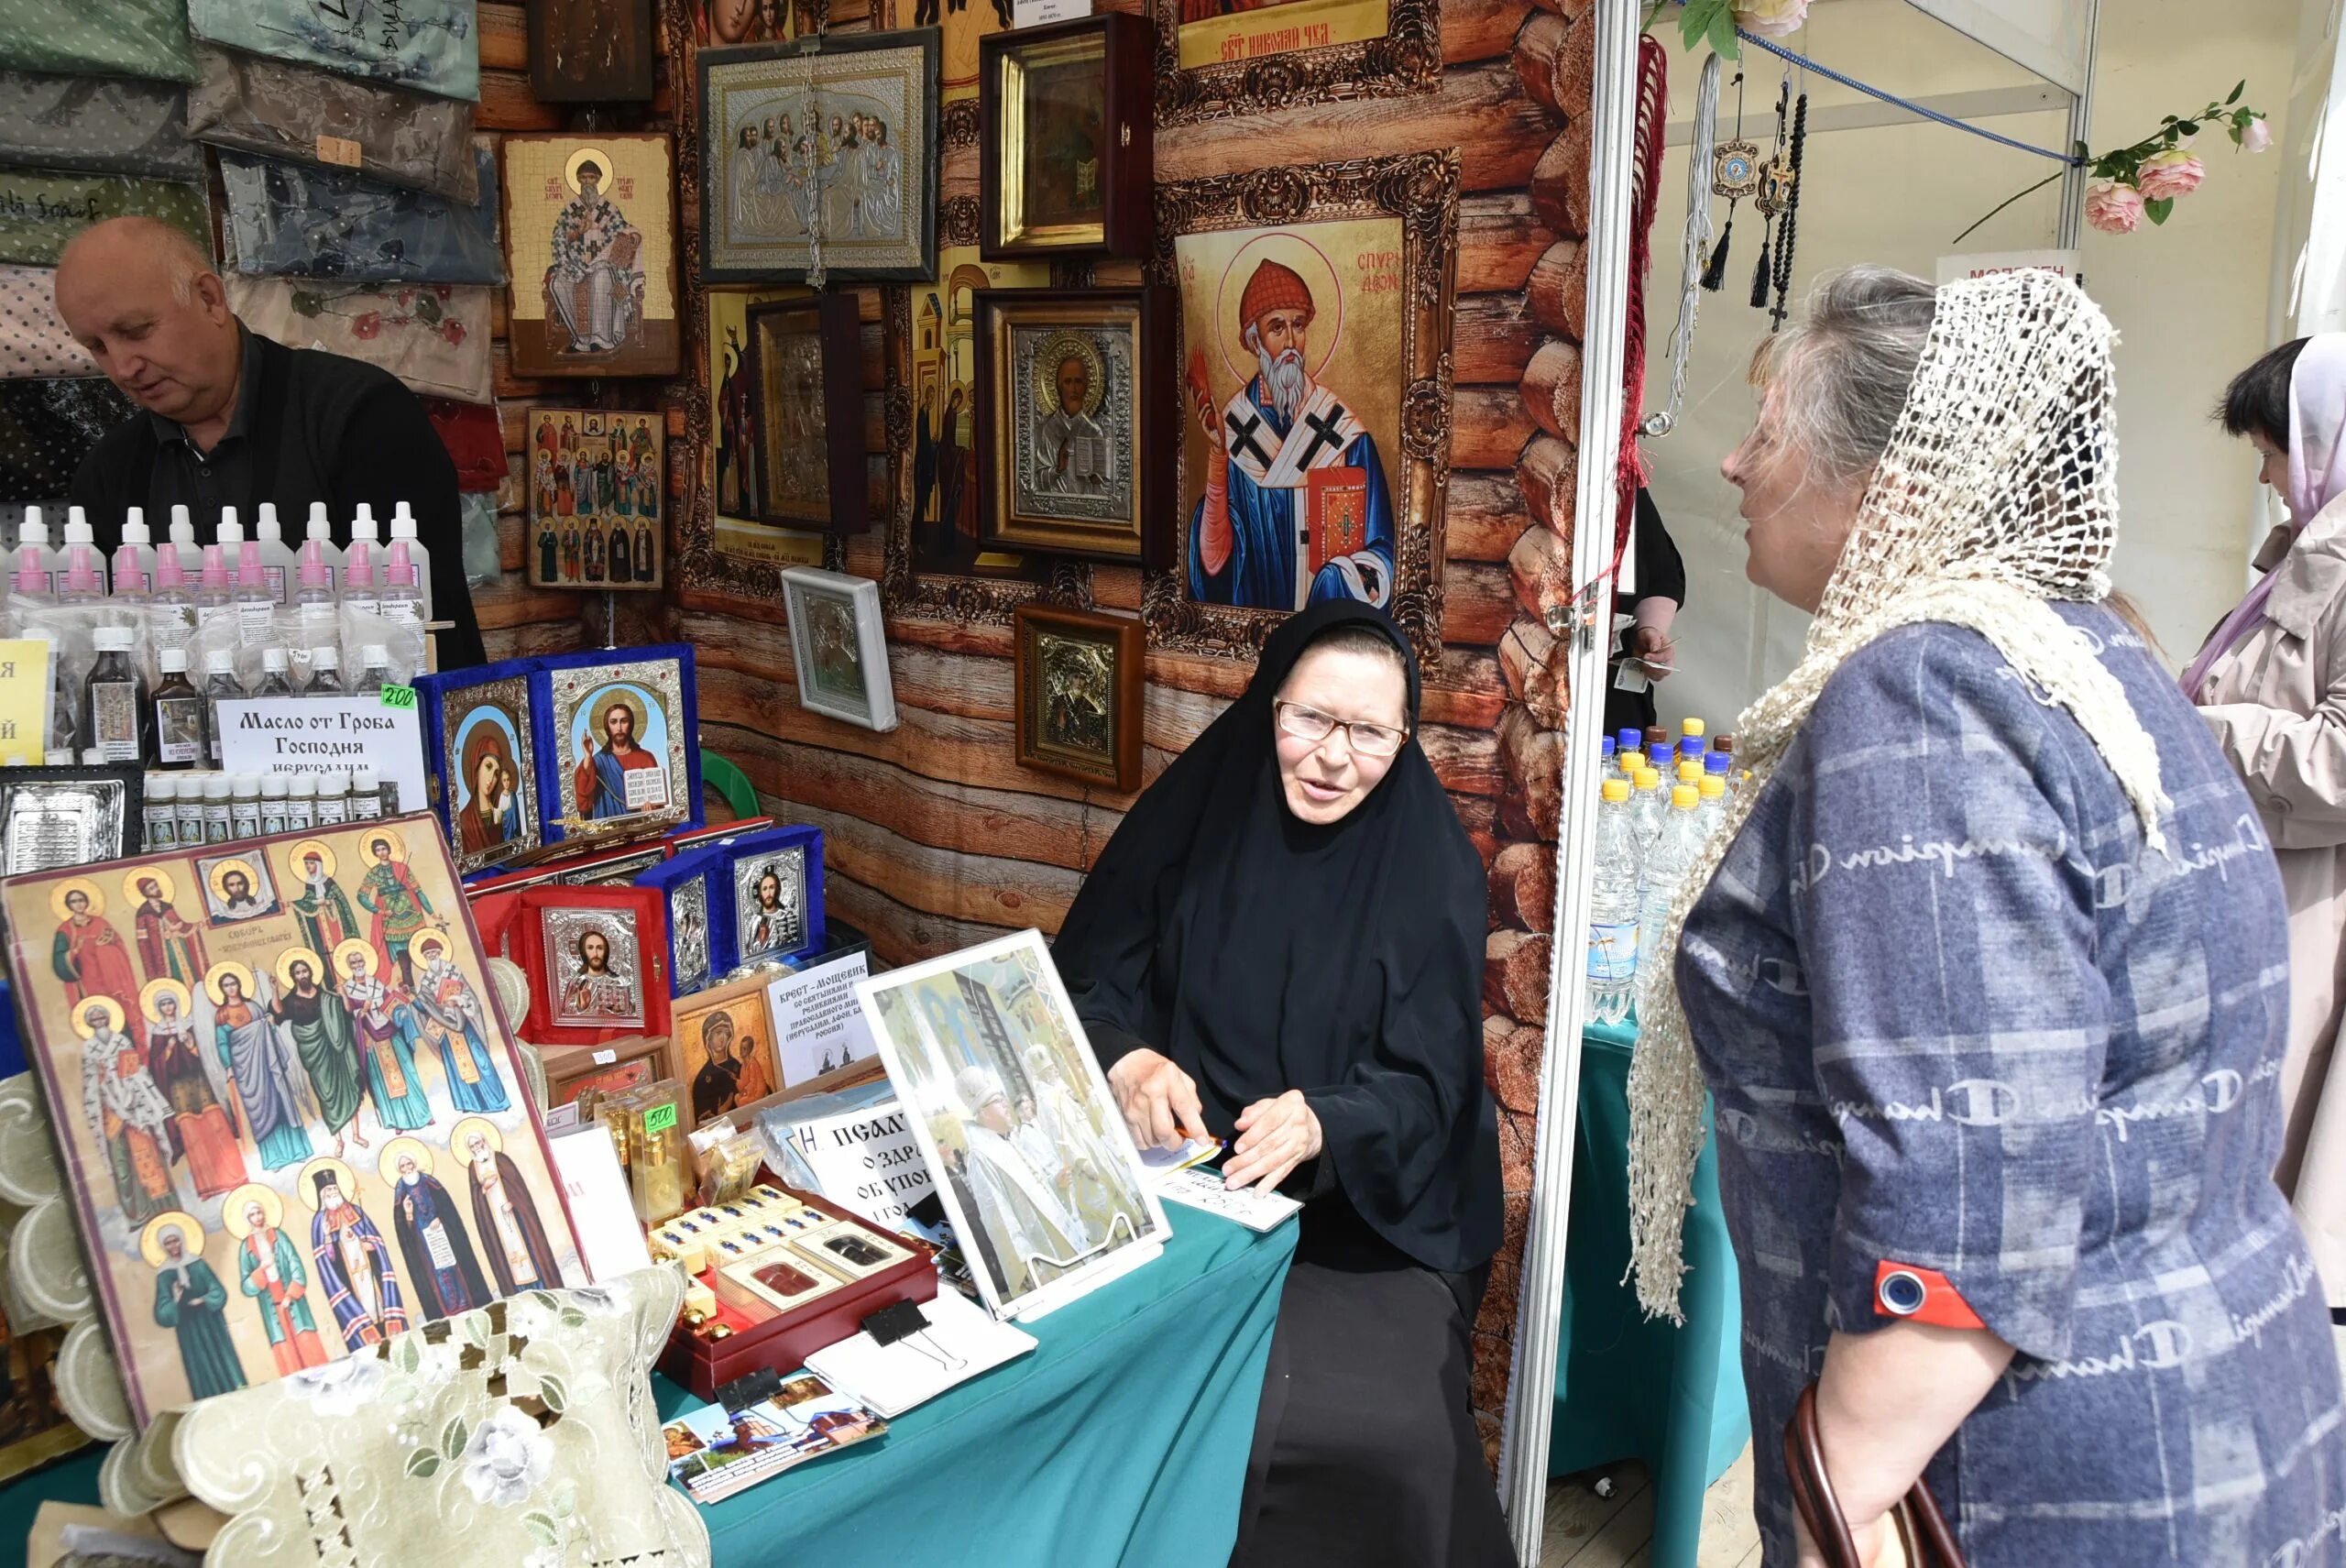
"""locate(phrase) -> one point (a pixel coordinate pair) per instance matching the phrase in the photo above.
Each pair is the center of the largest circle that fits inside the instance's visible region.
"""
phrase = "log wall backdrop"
(936, 838)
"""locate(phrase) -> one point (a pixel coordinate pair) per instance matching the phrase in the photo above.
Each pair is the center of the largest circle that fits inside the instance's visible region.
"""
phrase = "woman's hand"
(1878, 1545)
(1274, 1138)
(1158, 1100)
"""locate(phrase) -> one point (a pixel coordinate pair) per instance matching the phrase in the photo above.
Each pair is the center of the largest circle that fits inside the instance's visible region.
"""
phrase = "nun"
(1282, 945)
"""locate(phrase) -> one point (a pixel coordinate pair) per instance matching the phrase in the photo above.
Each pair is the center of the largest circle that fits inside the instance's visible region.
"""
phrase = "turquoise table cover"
(1121, 1440)
(1628, 1387)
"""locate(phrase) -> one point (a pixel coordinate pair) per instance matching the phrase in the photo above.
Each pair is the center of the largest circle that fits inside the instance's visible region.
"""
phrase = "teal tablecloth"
(1626, 1387)
(1119, 1441)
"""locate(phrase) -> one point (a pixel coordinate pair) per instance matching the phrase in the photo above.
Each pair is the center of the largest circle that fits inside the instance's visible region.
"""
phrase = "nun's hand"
(1274, 1138)
(1158, 1100)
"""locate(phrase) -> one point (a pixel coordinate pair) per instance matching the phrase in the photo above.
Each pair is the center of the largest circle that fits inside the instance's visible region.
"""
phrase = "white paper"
(602, 1210)
(1035, 13)
(1255, 1210)
(960, 1342)
(1980, 264)
(816, 1022)
(867, 1160)
(312, 734)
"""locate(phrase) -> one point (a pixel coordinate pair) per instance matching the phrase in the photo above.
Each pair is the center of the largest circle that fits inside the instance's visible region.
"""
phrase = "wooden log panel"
(1523, 886)
(1488, 426)
(1546, 476)
(1560, 184)
(1534, 760)
(1557, 291)
(900, 934)
(1478, 29)
(981, 890)
(1477, 603)
(1540, 569)
(1485, 517)
(1515, 973)
(505, 36)
(1494, 339)
(1500, 241)
(1556, 59)
(1551, 392)
(1526, 653)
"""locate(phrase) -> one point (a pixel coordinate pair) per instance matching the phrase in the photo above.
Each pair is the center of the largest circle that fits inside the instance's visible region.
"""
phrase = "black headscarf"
(1262, 953)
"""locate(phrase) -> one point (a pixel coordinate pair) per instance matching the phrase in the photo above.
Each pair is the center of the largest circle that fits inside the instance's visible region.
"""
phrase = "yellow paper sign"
(24, 702)
(340, 150)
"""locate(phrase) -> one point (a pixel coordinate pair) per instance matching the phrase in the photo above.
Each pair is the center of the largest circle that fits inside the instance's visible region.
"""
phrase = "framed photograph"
(590, 229)
(56, 818)
(597, 482)
(1070, 114)
(724, 1048)
(724, 546)
(1077, 686)
(839, 642)
(807, 414)
(1076, 435)
(986, 1051)
(1314, 382)
(593, 977)
(624, 756)
(484, 761)
(317, 1101)
(1220, 57)
(590, 51)
(827, 153)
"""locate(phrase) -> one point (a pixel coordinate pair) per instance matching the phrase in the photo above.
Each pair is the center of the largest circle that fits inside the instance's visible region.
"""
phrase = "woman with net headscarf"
(2272, 684)
(1988, 983)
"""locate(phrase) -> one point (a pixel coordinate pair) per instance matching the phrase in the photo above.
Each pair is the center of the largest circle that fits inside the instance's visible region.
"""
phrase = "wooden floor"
(1586, 1530)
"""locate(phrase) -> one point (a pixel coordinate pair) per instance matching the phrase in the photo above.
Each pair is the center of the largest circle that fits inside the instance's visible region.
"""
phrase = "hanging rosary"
(1790, 199)
(1735, 174)
(1774, 186)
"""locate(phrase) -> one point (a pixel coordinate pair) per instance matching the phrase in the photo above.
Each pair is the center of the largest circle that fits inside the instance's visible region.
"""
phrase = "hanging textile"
(46, 429)
(33, 340)
(97, 126)
(1653, 108)
(431, 46)
(290, 220)
(302, 114)
(433, 336)
(474, 439)
(97, 38)
(40, 211)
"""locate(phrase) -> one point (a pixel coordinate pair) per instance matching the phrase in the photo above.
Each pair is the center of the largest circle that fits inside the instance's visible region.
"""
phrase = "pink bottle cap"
(167, 570)
(359, 566)
(30, 578)
(248, 573)
(314, 566)
(401, 572)
(216, 568)
(81, 576)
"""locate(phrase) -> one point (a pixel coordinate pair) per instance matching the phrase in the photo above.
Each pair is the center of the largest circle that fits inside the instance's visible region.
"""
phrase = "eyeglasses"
(1310, 724)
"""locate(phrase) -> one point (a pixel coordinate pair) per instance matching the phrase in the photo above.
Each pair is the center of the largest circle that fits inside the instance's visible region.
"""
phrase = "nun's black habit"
(1263, 954)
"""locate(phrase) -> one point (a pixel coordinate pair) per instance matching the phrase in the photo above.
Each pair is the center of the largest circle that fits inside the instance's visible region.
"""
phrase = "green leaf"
(427, 310)
(2157, 211)
(452, 1439)
(306, 303)
(1724, 43)
(407, 1355)
(2237, 91)
(543, 1301)
(475, 1328)
(541, 1528)
(1695, 20)
(556, 1395)
(2189, 128)
(572, 1318)
(399, 1391)
(421, 1463)
(565, 1499)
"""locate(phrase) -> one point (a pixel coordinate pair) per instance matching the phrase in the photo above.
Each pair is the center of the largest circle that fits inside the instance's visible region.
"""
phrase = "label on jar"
(244, 817)
(162, 827)
(333, 811)
(113, 720)
(179, 729)
(219, 824)
(274, 576)
(255, 622)
(273, 821)
(191, 816)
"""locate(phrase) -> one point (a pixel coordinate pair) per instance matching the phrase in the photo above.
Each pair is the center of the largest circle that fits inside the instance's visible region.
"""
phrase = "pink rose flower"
(2255, 137)
(1772, 19)
(368, 325)
(454, 330)
(2172, 173)
(2113, 209)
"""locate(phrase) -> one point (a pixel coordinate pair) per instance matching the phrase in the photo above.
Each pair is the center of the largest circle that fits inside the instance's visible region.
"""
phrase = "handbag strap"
(1929, 1542)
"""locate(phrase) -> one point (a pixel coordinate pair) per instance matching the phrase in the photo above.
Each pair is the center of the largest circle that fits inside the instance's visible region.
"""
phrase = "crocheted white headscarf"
(1996, 494)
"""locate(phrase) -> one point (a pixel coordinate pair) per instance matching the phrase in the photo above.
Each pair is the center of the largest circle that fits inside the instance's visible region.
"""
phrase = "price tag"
(605, 1059)
(340, 150)
(24, 702)
(398, 697)
(659, 1118)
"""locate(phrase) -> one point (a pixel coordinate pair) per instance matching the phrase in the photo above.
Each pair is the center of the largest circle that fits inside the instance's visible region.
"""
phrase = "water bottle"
(1712, 812)
(1613, 910)
(1607, 750)
(404, 533)
(1691, 742)
(1671, 858)
(1648, 808)
(276, 561)
(1629, 749)
(182, 542)
(320, 532)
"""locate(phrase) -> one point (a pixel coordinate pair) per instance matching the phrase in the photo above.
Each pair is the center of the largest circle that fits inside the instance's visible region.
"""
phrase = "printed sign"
(866, 1160)
(816, 1021)
(311, 734)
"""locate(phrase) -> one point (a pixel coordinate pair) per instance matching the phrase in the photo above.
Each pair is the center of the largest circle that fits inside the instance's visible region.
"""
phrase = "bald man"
(233, 419)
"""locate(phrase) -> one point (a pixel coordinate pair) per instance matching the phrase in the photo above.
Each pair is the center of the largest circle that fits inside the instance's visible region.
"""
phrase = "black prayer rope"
(1791, 216)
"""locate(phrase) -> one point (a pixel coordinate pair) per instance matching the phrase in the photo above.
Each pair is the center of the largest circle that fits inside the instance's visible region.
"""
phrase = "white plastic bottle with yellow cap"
(1613, 910)
(1671, 858)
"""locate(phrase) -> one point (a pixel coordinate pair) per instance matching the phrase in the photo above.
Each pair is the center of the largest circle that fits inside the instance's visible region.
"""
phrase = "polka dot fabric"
(98, 37)
(33, 341)
(46, 429)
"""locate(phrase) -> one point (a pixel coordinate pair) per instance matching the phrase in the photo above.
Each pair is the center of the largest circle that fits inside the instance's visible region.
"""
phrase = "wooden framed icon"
(807, 414)
(1076, 438)
(590, 51)
(596, 478)
(1069, 122)
(590, 234)
(1078, 695)
(838, 643)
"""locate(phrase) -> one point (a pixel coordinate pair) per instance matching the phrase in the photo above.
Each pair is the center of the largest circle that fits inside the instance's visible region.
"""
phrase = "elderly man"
(233, 419)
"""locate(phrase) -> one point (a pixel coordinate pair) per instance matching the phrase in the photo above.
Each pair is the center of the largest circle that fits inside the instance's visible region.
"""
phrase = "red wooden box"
(783, 1343)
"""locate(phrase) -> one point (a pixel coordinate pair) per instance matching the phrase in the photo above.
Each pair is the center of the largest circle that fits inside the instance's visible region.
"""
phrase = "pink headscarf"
(2316, 477)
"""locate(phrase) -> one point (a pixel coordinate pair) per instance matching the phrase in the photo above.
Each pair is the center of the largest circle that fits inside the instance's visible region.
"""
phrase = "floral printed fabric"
(97, 38)
(100, 124)
(33, 341)
(286, 219)
(40, 211)
(434, 337)
(281, 110)
(431, 46)
(47, 428)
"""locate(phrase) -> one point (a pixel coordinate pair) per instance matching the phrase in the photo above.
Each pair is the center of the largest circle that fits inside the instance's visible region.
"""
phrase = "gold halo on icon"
(304, 850)
(286, 961)
(1306, 261)
(387, 1164)
(165, 986)
(272, 1209)
(460, 1136)
(384, 838)
(593, 155)
(227, 966)
(58, 894)
(220, 869)
(347, 946)
(306, 1189)
(155, 874)
(601, 700)
(150, 1240)
(424, 942)
(1056, 350)
(81, 1015)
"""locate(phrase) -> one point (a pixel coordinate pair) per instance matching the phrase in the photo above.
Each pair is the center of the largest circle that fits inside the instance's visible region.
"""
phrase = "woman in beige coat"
(2272, 683)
